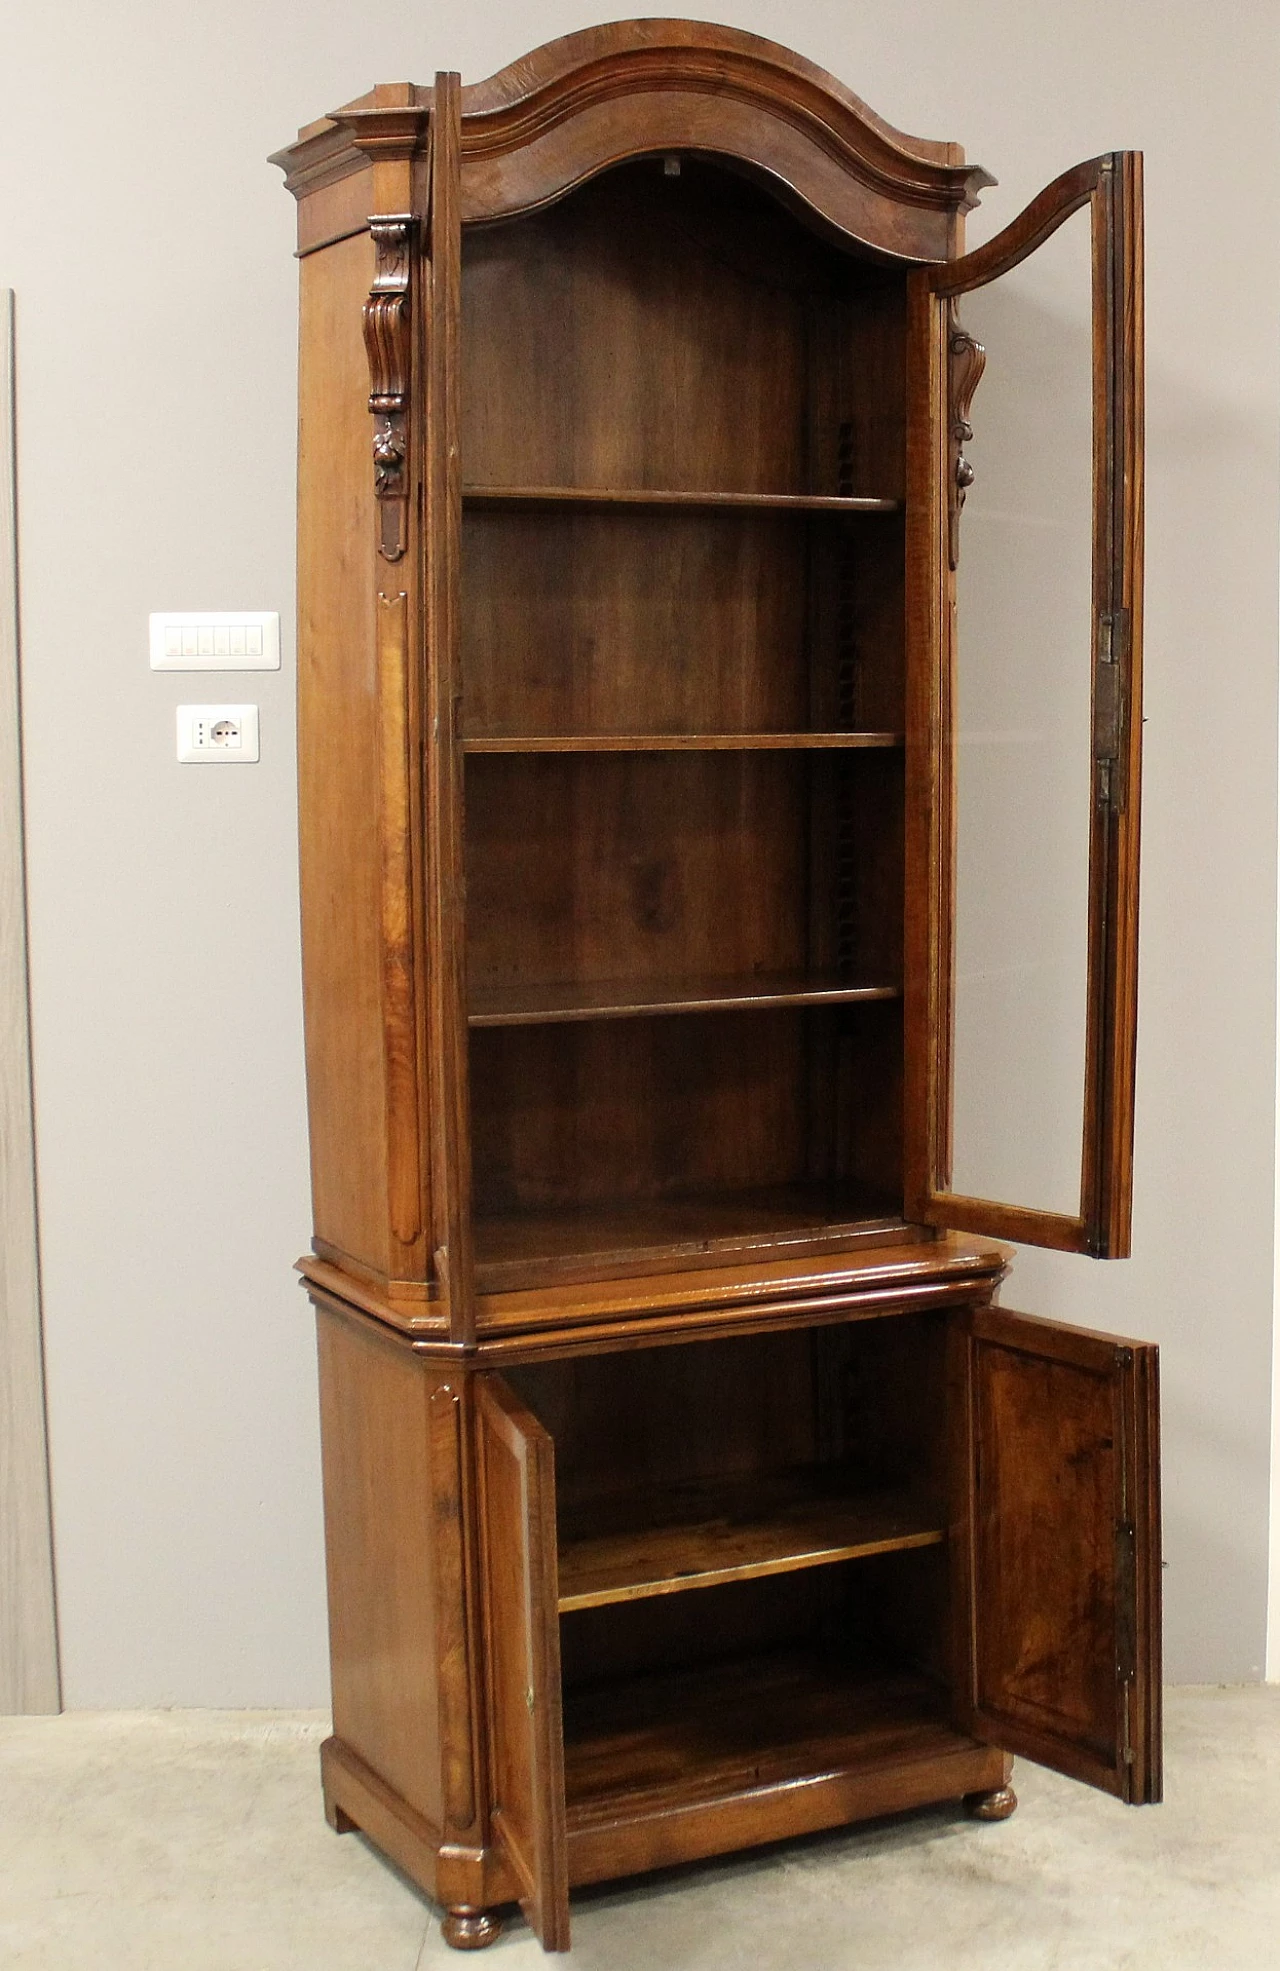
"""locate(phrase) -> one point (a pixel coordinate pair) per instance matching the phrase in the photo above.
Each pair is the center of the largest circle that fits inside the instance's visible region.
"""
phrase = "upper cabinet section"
(718, 692)
(595, 99)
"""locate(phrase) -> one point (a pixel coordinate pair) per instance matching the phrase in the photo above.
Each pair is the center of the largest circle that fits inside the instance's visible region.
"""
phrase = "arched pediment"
(591, 100)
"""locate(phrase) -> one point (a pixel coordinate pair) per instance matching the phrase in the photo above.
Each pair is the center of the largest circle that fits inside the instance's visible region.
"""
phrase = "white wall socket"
(215, 640)
(217, 735)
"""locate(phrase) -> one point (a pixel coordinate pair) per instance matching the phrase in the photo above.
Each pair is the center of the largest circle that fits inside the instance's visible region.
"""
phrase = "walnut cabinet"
(719, 670)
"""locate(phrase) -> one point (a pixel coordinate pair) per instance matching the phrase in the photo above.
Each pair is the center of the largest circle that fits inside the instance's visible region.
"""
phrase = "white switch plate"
(215, 640)
(217, 735)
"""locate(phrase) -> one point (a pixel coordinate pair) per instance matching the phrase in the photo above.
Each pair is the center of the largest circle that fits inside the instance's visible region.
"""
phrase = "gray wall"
(149, 245)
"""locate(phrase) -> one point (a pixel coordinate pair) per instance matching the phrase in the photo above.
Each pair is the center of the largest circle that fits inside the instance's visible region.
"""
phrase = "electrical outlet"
(215, 640)
(217, 735)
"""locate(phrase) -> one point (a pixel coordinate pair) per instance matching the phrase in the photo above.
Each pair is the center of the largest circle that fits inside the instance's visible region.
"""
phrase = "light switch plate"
(215, 640)
(218, 735)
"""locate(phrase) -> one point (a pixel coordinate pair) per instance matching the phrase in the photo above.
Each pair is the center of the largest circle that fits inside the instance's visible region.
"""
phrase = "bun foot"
(470, 1929)
(991, 1806)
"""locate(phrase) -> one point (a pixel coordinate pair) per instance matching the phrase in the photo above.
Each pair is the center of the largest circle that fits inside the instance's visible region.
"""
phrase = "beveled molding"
(715, 1302)
(589, 100)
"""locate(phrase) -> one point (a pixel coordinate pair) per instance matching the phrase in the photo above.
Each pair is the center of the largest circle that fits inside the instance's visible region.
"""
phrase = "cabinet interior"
(681, 648)
(752, 1541)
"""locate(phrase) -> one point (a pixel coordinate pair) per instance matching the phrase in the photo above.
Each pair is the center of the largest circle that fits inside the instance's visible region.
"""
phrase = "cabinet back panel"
(611, 1113)
(646, 332)
(625, 622)
(869, 1398)
(670, 1415)
(671, 1632)
(634, 866)
(608, 1111)
(882, 1398)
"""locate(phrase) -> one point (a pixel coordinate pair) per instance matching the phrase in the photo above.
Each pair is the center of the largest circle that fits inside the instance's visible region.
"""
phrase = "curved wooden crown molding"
(580, 104)
(593, 99)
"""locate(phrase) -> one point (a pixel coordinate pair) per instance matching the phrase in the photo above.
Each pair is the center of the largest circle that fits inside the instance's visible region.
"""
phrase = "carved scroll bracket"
(966, 360)
(386, 338)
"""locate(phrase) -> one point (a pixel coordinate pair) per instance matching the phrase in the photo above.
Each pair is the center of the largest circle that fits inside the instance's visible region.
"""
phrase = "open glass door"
(1024, 721)
(1056, 1553)
(516, 1460)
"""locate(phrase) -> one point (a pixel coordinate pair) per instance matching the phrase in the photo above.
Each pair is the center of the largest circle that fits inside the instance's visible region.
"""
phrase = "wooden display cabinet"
(685, 1487)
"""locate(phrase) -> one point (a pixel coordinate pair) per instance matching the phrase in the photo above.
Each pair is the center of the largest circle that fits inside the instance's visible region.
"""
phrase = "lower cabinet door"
(1057, 1547)
(516, 1464)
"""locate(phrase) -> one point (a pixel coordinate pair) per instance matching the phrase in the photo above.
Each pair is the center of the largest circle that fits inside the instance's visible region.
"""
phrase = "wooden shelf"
(521, 1005)
(746, 1722)
(535, 1248)
(598, 498)
(685, 742)
(666, 1540)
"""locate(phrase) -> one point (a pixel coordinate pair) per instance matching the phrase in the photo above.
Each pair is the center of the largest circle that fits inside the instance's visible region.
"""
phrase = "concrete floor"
(193, 1841)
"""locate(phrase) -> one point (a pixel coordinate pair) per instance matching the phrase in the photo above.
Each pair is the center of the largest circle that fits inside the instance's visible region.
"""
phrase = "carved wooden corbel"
(966, 360)
(386, 338)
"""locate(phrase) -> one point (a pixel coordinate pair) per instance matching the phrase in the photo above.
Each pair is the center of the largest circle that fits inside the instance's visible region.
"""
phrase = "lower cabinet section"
(719, 1593)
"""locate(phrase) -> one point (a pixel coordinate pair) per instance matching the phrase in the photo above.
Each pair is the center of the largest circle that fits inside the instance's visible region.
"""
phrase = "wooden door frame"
(29, 1679)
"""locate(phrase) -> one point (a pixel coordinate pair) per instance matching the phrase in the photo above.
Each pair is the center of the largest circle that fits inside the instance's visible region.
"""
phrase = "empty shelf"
(662, 1541)
(528, 1248)
(608, 496)
(613, 999)
(745, 1723)
(684, 742)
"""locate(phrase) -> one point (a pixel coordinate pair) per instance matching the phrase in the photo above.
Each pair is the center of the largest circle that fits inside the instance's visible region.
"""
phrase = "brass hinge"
(1109, 707)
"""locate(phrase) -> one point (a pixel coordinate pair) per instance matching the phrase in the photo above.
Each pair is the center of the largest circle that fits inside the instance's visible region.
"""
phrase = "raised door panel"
(1057, 1559)
(516, 1460)
(1024, 557)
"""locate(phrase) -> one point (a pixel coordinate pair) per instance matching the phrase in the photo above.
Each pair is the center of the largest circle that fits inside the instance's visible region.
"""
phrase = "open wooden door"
(1024, 556)
(1057, 1552)
(516, 1460)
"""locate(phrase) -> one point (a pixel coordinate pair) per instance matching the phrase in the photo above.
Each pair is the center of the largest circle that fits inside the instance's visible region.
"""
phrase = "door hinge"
(1109, 707)
(1126, 1603)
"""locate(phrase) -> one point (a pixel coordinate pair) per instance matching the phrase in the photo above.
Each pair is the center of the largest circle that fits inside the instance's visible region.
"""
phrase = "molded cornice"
(575, 107)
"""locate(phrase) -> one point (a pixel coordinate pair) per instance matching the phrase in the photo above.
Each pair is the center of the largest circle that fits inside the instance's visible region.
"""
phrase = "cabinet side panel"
(382, 1564)
(338, 761)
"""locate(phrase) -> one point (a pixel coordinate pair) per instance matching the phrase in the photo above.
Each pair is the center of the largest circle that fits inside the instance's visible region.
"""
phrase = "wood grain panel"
(619, 866)
(649, 332)
(29, 1679)
(1062, 1551)
(756, 1720)
(518, 1546)
(384, 1555)
(642, 1109)
(658, 1417)
(623, 622)
(339, 760)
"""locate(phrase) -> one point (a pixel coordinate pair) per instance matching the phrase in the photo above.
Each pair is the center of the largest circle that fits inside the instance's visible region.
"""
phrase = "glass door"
(1024, 721)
